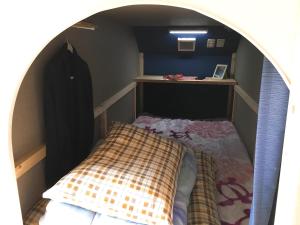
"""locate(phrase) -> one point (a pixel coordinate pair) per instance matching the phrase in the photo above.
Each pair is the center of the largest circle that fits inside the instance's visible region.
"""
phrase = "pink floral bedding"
(220, 139)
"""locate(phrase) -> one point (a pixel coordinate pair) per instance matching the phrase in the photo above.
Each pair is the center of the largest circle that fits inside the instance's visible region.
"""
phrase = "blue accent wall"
(197, 65)
(161, 56)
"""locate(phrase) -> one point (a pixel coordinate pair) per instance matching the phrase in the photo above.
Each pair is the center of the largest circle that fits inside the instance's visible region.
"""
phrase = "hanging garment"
(68, 110)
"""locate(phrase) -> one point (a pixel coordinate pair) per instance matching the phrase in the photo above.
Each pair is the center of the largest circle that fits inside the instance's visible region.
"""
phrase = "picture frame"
(219, 71)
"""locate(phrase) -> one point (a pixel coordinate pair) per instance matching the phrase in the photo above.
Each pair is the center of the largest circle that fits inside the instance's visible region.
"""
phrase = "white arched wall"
(27, 27)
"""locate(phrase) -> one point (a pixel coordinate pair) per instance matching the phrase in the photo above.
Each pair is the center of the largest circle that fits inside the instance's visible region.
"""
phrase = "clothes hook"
(69, 46)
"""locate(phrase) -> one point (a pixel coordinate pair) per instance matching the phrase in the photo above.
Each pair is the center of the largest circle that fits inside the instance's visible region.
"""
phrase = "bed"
(234, 170)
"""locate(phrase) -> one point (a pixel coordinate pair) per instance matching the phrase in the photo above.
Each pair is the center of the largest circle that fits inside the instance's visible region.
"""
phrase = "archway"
(240, 18)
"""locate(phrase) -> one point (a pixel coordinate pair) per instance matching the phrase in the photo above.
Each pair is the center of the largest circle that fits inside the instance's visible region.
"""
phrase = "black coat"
(68, 110)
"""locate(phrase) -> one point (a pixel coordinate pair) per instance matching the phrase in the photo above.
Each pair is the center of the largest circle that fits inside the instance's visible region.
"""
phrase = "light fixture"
(188, 31)
(186, 39)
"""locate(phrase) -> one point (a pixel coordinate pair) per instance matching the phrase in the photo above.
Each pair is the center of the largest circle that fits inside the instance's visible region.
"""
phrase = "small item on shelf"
(178, 77)
(167, 77)
(220, 71)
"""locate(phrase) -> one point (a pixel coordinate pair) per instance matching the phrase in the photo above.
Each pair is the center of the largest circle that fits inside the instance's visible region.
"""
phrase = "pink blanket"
(220, 139)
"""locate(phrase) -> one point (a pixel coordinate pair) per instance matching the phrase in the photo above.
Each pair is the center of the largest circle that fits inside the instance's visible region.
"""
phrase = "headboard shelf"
(207, 81)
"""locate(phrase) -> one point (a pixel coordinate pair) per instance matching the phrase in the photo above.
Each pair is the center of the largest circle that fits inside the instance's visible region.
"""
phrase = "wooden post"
(141, 97)
(233, 65)
(229, 102)
(103, 124)
(141, 64)
(140, 89)
(233, 107)
(134, 104)
(231, 92)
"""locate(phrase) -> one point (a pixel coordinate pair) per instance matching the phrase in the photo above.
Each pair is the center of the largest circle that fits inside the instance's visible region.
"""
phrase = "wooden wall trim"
(29, 160)
(248, 100)
(25, 163)
(113, 99)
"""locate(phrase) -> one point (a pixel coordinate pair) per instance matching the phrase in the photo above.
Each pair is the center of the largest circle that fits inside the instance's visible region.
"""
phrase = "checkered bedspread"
(132, 176)
(202, 209)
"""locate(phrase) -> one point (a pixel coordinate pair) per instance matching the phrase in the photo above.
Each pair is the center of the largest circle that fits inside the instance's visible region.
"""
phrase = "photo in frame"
(220, 71)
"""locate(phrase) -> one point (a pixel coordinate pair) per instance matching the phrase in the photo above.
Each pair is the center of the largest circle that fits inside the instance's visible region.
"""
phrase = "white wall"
(112, 55)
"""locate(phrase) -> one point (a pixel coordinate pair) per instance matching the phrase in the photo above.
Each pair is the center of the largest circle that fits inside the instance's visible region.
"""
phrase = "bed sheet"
(234, 169)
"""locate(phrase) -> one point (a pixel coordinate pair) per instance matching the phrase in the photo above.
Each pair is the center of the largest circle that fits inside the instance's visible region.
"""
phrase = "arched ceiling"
(155, 15)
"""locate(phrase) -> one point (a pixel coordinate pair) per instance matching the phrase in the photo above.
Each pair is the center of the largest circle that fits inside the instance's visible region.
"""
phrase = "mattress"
(234, 169)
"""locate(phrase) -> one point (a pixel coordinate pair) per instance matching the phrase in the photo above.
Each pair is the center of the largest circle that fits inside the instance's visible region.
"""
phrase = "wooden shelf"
(206, 81)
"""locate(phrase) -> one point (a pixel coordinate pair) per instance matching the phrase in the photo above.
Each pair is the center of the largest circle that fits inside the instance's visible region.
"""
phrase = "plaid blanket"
(132, 176)
(37, 211)
(202, 209)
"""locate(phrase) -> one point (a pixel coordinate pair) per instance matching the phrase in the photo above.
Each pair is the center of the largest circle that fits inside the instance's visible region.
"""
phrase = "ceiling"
(154, 15)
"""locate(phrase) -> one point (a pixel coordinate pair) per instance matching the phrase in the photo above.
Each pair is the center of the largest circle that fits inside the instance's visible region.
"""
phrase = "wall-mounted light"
(186, 39)
(188, 31)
